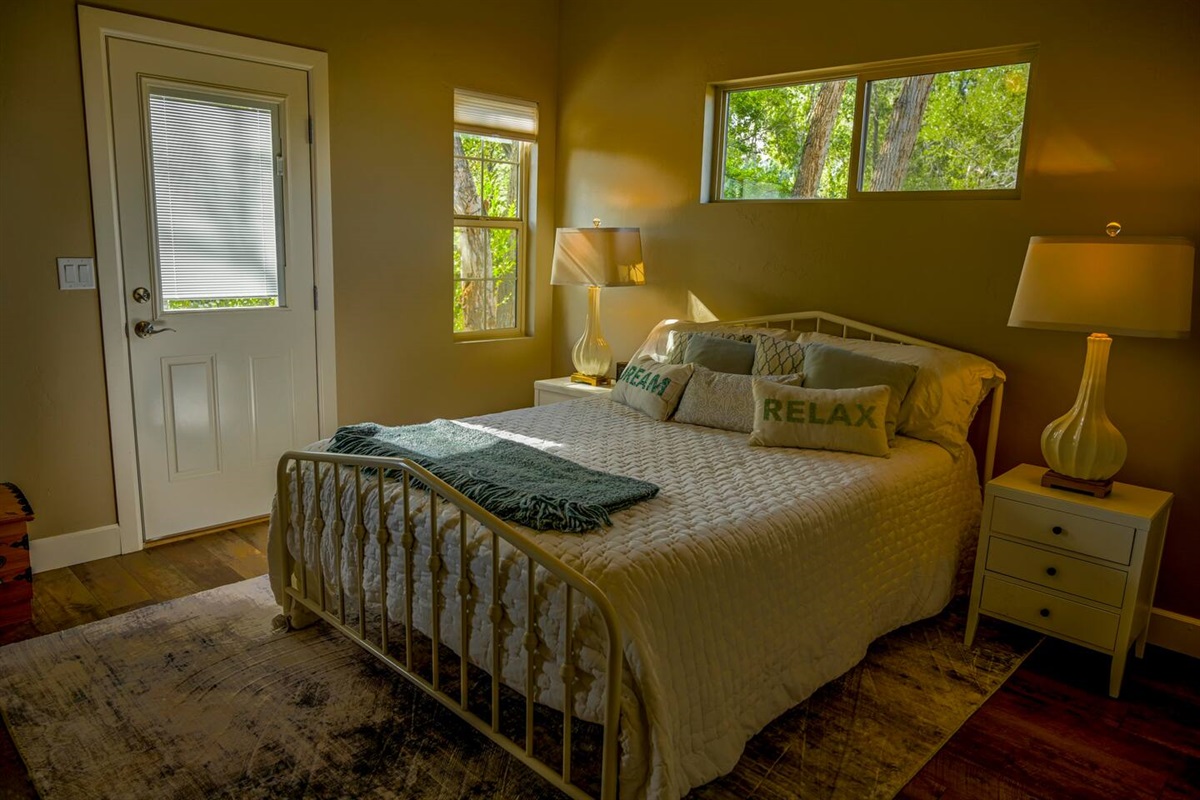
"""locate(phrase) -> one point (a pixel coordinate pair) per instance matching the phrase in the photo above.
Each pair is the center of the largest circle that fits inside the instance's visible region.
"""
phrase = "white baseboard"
(1175, 632)
(66, 549)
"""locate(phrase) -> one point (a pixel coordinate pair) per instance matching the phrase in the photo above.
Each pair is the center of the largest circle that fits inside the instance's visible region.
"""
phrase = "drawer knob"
(1045, 612)
(1056, 530)
(1051, 571)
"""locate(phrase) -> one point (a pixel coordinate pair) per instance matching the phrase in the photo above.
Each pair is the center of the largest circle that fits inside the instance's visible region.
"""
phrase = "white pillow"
(850, 420)
(659, 341)
(945, 395)
(651, 387)
(722, 399)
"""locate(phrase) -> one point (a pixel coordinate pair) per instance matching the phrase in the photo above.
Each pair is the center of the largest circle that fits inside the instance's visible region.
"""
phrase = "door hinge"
(316, 303)
(310, 130)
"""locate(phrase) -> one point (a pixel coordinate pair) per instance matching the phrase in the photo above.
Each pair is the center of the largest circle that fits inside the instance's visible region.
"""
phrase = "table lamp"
(1130, 286)
(596, 257)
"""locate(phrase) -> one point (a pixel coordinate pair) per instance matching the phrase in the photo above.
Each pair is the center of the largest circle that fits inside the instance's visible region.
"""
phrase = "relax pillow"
(722, 400)
(948, 389)
(719, 355)
(833, 368)
(850, 420)
(776, 356)
(652, 388)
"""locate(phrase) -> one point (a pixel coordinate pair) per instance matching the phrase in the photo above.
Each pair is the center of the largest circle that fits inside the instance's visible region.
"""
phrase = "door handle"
(148, 327)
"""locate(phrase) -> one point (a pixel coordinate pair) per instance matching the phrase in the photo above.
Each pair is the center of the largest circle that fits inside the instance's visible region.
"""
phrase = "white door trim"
(96, 28)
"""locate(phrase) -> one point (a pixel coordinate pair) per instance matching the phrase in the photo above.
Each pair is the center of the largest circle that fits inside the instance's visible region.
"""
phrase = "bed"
(754, 577)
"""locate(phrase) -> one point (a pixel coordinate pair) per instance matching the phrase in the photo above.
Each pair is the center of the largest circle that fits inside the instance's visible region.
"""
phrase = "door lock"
(141, 295)
(148, 327)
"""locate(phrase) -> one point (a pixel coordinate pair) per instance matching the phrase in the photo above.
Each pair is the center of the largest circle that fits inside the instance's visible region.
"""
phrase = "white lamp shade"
(1126, 286)
(598, 257)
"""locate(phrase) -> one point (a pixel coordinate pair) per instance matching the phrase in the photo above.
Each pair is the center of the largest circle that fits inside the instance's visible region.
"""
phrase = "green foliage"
(495, 189)
(970, 134)
(222, 302)
(765, 134)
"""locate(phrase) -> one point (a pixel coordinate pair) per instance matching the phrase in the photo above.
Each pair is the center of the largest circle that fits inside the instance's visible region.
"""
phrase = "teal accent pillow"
(677, 341)
(828, 367)
(719, 354)
(775, 356)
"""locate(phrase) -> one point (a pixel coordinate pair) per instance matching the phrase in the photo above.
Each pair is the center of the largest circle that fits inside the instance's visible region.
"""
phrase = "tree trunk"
(475, 255)
(816, 142)
(889, 169)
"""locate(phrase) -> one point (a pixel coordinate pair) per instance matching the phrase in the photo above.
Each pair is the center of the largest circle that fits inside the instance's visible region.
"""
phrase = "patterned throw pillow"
(775, 356)
(723, 400)
(651, 387)
(825, 419)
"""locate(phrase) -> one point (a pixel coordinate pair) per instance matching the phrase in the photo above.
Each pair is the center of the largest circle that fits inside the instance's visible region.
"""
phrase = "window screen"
(216, 201)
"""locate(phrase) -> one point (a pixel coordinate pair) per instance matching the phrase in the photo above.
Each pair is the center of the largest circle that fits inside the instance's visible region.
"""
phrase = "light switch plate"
(76, 273)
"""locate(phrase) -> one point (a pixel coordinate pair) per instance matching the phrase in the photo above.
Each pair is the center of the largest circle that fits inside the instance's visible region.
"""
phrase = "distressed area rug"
(199, 698)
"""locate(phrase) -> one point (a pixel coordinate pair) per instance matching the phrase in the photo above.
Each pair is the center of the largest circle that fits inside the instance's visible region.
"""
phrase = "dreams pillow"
(719, 355)
(775, 356)
(652, 388)
(851, 420)
(722, 400)
(833, 368)
(946, 393)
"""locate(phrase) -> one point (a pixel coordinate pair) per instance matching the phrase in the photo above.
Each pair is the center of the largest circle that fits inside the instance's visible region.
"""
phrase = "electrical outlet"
(76, 273)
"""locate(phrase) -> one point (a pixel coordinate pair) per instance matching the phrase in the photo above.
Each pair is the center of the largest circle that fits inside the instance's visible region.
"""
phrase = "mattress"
(754, 577)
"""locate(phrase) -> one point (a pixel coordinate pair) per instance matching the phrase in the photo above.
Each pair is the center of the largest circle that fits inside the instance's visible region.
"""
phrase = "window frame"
(716, 112)
(523, 130)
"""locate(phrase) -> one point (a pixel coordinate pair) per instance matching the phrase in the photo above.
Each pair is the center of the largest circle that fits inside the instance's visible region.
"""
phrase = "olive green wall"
(1114, 127)
(393, 67)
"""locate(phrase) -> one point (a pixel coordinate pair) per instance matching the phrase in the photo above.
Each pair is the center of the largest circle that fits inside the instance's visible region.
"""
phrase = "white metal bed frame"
(306, 593)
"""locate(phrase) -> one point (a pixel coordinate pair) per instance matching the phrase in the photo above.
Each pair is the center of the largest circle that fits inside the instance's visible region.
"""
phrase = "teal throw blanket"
(514, 481)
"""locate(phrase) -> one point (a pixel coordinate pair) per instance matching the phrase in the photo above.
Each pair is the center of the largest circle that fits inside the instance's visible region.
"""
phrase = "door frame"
(97, 27)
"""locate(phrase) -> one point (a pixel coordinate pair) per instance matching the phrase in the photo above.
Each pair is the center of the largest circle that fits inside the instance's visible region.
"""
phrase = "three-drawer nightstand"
(1079, 568)
(556, 390)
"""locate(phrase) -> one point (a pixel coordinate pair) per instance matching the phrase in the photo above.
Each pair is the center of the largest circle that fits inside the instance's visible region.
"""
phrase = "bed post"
(282, 566)
(989, 457)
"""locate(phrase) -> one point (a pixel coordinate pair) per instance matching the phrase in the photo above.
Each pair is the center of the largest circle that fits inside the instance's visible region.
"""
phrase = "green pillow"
(719, 354)
(850, 420)
(828, 367)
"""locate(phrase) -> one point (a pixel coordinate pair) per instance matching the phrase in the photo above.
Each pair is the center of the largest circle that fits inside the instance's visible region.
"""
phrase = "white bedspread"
(755, 576)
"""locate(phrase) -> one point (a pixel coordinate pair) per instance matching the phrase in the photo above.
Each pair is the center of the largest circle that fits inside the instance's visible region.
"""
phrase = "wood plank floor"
(1051, 731)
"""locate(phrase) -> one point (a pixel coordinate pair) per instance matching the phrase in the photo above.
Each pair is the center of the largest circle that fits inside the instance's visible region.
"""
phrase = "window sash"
(191, 190)
(521, 226)
(717, 113)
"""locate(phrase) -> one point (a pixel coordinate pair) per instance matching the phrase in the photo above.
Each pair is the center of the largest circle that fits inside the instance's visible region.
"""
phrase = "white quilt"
(756, 576)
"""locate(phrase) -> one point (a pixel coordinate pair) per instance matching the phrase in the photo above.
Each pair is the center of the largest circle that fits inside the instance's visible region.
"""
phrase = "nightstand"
(556, 390)
(1074, 567)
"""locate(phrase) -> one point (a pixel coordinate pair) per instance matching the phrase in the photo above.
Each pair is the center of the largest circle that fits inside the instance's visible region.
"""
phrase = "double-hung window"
(493, 143)
(916, 127)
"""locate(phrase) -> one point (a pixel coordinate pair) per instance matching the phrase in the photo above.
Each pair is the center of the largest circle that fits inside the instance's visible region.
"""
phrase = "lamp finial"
(1112, 229)
(595, 222)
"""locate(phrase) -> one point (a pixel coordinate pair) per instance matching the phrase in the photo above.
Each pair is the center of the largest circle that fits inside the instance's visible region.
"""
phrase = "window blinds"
(215, 198)
(497, 116)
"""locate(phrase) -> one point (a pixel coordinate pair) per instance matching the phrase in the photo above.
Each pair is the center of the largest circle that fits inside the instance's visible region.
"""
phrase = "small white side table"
(557, 390)
(1076, 567)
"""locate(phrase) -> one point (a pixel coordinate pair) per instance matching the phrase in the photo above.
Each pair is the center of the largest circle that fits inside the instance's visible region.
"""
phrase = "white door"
(214, 204)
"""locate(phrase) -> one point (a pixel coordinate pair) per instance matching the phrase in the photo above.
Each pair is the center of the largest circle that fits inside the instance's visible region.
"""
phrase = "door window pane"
(216, 200)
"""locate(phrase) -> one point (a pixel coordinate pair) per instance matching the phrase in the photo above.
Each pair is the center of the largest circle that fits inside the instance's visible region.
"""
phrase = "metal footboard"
(307, 588)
